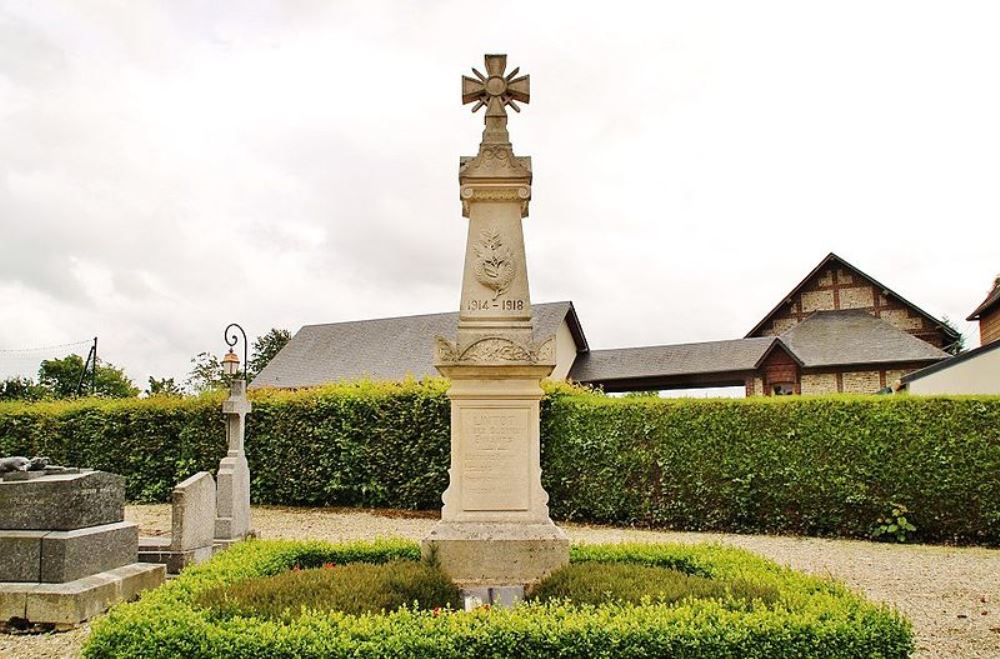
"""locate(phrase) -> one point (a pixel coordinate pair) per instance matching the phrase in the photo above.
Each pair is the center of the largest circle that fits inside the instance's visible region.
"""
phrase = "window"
(783, 389)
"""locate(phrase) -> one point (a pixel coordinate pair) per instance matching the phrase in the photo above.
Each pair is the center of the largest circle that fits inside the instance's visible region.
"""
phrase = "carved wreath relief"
(495, 263)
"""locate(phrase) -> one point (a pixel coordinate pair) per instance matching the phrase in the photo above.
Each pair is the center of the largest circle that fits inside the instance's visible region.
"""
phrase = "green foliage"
(354, 588)
(810, 618)
(265, 347)
(828, 466)
(894, 524)
(600, 583)
(62, 378)
(163, 387)
(18, 388)
(206, 374)
(821, 466)
(958, 345)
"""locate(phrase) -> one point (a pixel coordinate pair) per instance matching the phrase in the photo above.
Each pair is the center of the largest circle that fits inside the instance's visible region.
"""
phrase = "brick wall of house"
(989, 326)
(779, 368)
(862, 382)
(819, 383)
(838, 287)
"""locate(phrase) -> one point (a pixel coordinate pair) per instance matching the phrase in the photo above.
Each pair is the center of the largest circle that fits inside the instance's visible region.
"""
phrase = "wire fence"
(24, 362)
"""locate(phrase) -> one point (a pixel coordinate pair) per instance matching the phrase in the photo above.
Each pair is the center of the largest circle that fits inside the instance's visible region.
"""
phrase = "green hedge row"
(812, 617)
(817, 466)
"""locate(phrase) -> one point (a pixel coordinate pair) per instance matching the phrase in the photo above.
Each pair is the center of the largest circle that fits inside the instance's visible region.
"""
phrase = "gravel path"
(952, 595)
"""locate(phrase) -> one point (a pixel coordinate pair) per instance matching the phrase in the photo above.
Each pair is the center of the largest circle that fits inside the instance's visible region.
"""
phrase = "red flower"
(329, 566)
(296, 568)
(437, 611)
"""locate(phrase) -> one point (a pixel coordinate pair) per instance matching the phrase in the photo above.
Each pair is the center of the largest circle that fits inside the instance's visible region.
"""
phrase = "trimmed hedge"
(813, 617)
(806, 465)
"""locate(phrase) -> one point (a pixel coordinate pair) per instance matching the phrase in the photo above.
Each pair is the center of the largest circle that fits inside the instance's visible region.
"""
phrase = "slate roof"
(825, 338)
(831, 257)
(991, 301)
(670, 360)
(382, 349)
(853, 336)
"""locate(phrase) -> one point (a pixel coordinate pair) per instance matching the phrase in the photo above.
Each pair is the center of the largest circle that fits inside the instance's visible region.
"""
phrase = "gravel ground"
(952, 595)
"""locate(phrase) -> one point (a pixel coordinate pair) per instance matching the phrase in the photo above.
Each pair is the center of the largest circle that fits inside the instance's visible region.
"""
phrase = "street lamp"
(230, 362)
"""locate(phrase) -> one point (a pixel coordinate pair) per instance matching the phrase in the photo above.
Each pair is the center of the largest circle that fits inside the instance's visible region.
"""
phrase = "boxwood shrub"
(807, 465)
(811, 617)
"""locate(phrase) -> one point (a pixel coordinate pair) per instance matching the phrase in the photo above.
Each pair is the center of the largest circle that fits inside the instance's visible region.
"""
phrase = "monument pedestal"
(497, 553)
(495, 528)
(66, 553)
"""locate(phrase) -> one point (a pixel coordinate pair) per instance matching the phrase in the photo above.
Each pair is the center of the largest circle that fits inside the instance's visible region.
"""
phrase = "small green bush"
(625, 583)
(828, 466)
(353, 588)
(809, 618)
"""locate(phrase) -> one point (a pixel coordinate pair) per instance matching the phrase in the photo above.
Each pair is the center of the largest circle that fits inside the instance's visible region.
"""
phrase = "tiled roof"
(380, 349)
(837, 338)
(670, 360)
(826, 338)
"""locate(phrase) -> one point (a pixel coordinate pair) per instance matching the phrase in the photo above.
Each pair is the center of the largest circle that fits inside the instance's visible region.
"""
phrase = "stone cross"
(495, 92)
(236, 408)
(232, 502)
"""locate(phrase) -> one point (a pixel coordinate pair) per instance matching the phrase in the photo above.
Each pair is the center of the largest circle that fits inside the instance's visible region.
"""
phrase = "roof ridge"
(692, 343)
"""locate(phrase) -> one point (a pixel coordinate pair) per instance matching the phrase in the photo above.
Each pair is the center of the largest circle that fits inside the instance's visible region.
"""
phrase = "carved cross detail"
(495, 90)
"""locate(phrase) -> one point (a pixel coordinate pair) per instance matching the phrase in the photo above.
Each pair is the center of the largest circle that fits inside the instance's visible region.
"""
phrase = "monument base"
(497, 553)
(68, 604)
(157, 550)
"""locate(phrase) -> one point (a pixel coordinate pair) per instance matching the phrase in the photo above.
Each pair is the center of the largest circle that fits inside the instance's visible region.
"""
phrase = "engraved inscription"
(495, 461)
(501, 305)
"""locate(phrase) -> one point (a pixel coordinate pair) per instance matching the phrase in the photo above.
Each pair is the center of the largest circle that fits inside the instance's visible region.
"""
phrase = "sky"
(167, 168)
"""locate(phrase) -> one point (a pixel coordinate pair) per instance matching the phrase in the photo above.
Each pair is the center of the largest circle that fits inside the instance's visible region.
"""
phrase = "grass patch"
(624, 583)
(355, 588)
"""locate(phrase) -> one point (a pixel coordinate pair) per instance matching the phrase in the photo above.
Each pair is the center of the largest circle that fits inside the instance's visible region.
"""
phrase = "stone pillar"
(495, 528)
(232, 502)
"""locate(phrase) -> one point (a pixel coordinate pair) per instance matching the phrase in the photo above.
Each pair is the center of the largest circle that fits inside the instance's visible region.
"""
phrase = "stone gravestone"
(232, 522)
(66, 553)
(192, 526)
(495, 529)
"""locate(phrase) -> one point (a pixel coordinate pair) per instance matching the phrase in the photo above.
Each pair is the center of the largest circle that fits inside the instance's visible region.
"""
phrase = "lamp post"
(231, 363)
(232, 513)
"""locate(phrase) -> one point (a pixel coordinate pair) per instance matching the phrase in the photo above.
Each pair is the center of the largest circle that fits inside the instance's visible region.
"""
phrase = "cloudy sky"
(166, 168)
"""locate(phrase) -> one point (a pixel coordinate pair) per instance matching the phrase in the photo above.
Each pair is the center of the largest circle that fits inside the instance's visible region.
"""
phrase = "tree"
(206, 374)
(265, 348)
(958, 345)
(163, 387)
(62, 378)
(18, 388)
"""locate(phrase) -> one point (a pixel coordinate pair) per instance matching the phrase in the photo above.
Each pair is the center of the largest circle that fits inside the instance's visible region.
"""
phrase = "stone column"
(232, 503)
(495, 528)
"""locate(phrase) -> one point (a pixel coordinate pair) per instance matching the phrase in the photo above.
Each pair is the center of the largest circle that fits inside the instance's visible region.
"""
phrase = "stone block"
(62, 502)
(497, 554)
(193, 513)
(506, 596)
(232, 505)
(74, 602)
(71, 555)
(157, 550)
(20, 555)
(474, 597)
(12, 604)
